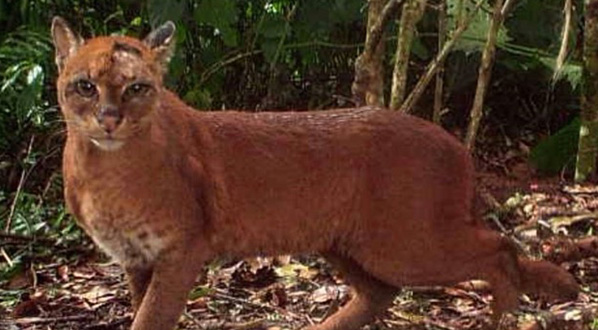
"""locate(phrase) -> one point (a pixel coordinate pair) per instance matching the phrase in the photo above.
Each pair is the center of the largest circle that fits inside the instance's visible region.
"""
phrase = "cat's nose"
(109, 118)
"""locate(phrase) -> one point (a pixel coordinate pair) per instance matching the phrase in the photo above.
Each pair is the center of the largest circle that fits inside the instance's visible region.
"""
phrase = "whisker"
(60, 133)
(62, 120)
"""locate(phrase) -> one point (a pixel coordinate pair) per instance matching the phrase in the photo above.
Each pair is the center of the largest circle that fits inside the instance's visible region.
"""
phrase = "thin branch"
(221, 295)
(220, 64)
(506, 8)
(27, 239)
(439, 89)
(13, 206)
(485, 72)
(423, 82)
(210, 71)
(413, 10)
(6, 257)
(565, 34)
(46, 320)
(110, 325)
(282, 40)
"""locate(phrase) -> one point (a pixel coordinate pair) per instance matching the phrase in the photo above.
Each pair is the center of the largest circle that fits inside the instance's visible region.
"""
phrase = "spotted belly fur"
(123, 235)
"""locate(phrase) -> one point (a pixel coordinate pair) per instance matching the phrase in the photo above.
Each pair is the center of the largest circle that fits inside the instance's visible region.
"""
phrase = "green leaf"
(222, 15)
(557, 151)
(136, 21)
(474, 38)
(537, 23)
(35, 75)
(269, 47)
(274, 26)
(199, 98)
(419, 49)
(571, 72)
(200, 291)
(317, 19)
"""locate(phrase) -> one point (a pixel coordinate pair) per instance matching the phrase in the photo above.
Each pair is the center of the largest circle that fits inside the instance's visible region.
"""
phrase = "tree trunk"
(412, 13)
(484, 74)
(368, 86)
(588, 132)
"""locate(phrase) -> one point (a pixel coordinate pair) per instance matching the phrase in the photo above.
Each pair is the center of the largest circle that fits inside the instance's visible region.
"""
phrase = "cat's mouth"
(107, 143)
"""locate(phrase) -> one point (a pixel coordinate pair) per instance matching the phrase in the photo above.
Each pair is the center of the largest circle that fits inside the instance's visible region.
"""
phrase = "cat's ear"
(65, 41)
(161, 42)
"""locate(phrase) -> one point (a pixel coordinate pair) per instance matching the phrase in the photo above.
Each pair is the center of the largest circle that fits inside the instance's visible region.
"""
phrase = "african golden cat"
(163, 189)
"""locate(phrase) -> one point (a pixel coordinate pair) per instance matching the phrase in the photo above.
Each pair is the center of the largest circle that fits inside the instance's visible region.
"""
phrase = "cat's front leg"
(172, 277)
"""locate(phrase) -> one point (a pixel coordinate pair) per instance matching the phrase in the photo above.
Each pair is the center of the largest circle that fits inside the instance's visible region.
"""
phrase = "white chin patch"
(107, 144)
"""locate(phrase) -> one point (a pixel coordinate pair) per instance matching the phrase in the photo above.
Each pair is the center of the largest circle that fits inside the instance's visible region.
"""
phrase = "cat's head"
(108, 87)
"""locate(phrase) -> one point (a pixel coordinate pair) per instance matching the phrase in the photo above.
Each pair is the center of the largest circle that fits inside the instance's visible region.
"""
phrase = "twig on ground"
(255, 324)
(220, 324)
(426, 322)
(222, 295)
(13, 206)
(193, 320)
(559, 319)
(25, 238)
(46, 320)
(109, 325)
(565, 221)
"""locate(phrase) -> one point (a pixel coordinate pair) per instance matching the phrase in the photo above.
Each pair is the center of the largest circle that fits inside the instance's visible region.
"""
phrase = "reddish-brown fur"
(385, 197)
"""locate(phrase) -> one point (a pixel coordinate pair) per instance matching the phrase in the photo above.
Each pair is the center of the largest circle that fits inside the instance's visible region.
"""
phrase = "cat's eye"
(85, 88)
(136, 89)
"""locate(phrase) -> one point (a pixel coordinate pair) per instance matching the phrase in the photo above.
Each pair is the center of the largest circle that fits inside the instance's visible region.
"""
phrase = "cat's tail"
(547, 280)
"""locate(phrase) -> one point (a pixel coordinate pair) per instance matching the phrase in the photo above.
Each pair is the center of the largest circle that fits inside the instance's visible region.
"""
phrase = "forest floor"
(546, 217)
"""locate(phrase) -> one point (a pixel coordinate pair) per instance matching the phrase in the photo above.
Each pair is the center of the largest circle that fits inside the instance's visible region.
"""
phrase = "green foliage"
(30, 194)
(529, 38)
(260, 47)
(557, 152)
(222, 15)
(24, 67)
(25, 113)
(538, 23)
(570, 72)
(523, 96)
(474, 38)
(36, 218)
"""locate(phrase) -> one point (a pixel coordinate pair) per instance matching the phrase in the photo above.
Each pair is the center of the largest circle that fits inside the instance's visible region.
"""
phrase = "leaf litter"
(549, 220)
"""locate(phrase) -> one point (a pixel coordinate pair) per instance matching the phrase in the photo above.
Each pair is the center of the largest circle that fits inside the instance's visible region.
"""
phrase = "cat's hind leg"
(370, 296)
(138, 278)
